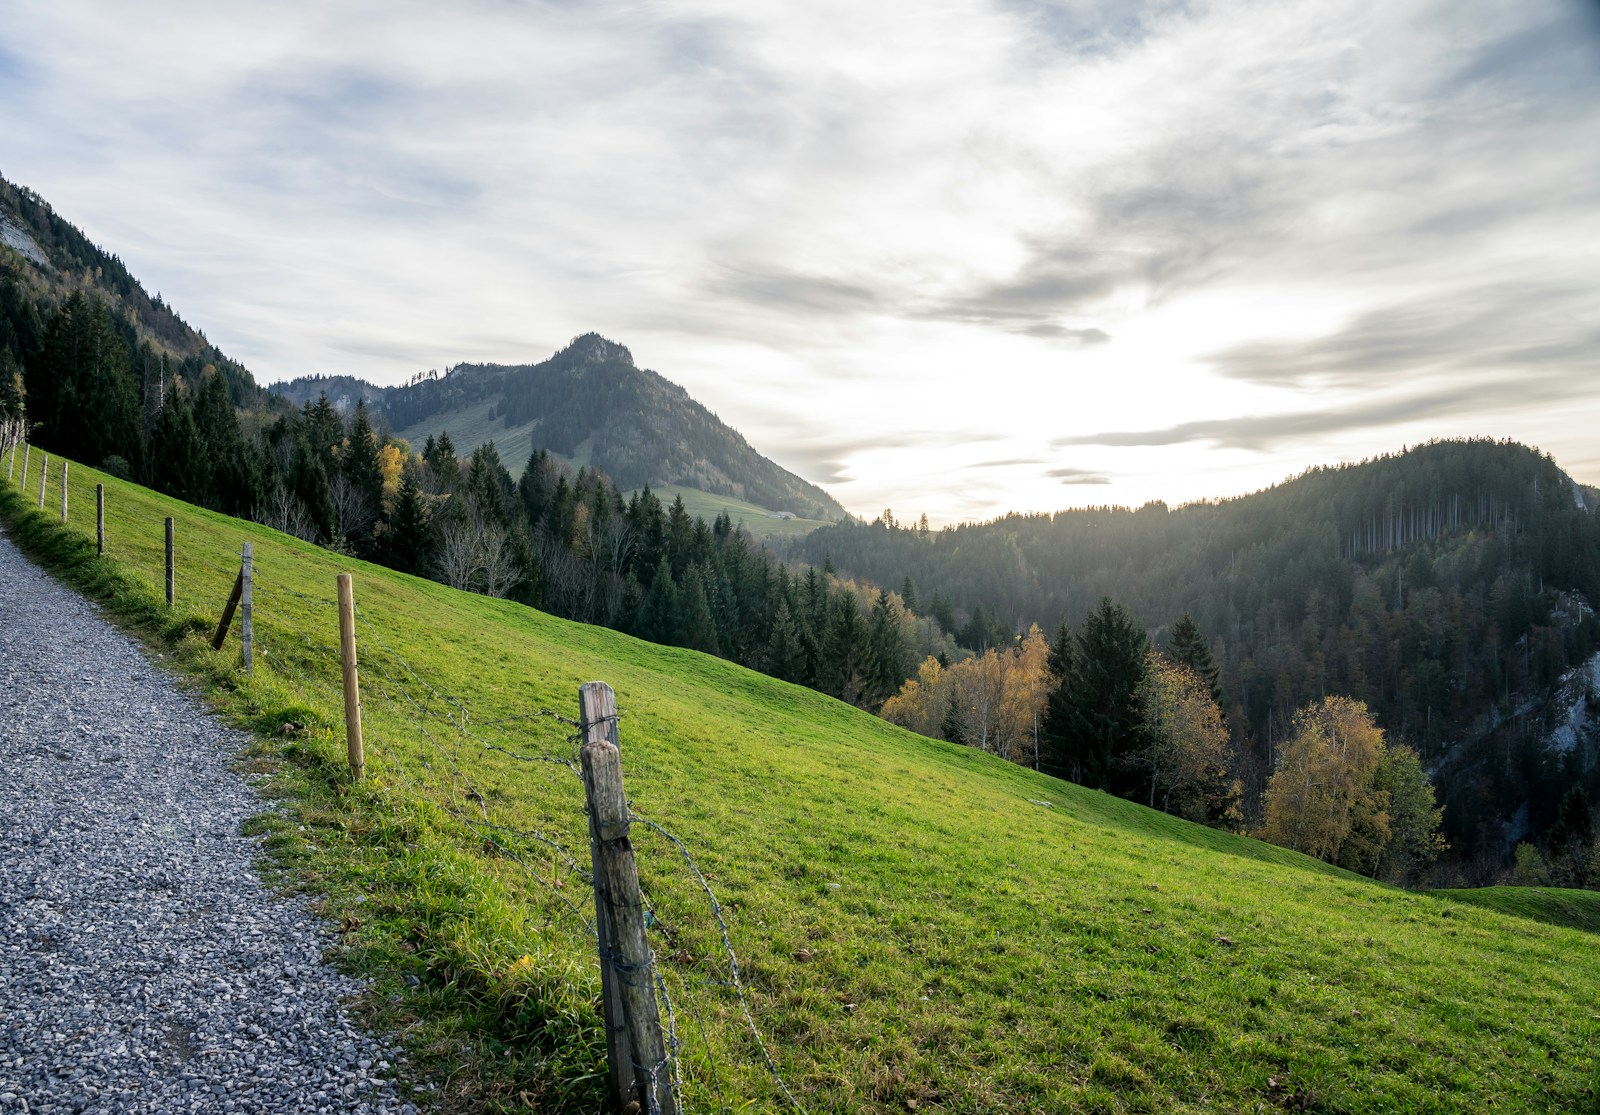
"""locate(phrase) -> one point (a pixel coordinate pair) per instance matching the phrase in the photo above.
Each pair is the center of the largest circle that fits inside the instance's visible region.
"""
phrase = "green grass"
(1575, 909)
(471, 427)
(918, 933)
(707, 506)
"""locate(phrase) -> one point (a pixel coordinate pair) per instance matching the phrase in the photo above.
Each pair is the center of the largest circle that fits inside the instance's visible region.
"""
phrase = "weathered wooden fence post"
(44, 474)
(640, 1072)
(22, 481)
(100, 518)
(247, 633)
(64, 465)
(171, 572)
(352, 683)
(239, 599)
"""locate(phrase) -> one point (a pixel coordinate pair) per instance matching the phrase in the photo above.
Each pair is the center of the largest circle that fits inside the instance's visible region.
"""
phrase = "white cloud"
(881, 239)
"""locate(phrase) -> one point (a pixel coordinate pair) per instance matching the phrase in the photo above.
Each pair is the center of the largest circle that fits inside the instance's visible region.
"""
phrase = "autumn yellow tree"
(994, 701)
(1185, 754)
(1323, 799)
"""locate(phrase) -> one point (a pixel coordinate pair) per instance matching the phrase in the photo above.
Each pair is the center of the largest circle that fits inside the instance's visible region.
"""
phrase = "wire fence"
(510, 779)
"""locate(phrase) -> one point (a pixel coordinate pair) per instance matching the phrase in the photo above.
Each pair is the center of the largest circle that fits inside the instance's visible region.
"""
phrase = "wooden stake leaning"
(100, 519)
(644, 1082)
(352, 683)
(44, 474)
(22, 481)
(234, 595)
(64, 465)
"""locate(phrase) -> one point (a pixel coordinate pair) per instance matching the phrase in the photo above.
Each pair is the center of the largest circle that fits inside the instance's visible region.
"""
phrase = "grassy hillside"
(756, 520)
(472, 427)
(921, 926)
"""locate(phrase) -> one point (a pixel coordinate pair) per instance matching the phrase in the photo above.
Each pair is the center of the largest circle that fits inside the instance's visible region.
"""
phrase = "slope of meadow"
(920, 926)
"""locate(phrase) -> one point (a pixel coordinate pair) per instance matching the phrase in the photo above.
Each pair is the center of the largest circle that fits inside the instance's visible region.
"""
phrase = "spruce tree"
(887, 654)
(177, 461)
(406, 541)
(1188, 647)
(1094, 721)
(696, 628)
(845, 648)
(785, 657)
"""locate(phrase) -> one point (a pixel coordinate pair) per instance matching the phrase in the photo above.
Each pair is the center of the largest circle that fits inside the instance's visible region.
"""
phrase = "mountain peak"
(592, 348)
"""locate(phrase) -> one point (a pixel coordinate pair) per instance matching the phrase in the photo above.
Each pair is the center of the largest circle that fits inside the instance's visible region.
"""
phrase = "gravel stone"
(143, 966)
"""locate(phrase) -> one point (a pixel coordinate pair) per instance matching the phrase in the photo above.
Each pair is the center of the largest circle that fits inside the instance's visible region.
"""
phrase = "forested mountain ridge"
(45, 260)
(1451, 587)
(590, 405)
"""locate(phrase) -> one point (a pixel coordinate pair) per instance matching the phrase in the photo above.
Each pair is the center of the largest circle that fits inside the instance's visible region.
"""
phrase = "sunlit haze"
(955, 258)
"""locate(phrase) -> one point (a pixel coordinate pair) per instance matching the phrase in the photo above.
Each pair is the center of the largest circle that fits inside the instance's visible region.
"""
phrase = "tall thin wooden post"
(64, 465)
(100, 518)
(597, 707)
(352, 684)
(11, 464)
(44, 474)
(640, 1072)
(171, 572)
(247, 639)
(22, 481)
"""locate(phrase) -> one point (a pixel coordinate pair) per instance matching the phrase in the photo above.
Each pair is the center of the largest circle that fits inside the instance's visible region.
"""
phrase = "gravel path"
(143, 968)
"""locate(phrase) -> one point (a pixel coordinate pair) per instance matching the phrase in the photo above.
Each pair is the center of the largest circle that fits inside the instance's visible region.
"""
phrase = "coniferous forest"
(1446, 587)
(1430, 602)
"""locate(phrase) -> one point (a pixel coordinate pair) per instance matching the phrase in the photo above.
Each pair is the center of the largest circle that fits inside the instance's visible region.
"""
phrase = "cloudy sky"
(943, 256)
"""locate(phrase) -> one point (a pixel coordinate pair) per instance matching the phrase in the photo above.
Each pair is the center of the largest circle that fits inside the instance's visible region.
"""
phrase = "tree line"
(1449, 588)
(1102, 707)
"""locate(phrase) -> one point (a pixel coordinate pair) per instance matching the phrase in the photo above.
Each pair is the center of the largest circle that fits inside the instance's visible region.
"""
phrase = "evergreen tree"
(696, 628)
(178, 460)
(1188, 647)
(785, 657)
(658, 620)
(234, 483)
(1096, 725)
(1571, 839)
(324, 431)
(406, 543)
(888, 655)
(845, 649)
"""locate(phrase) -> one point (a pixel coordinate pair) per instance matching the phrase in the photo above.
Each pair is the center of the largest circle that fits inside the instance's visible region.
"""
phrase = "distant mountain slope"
(45, 259)
(1452, 587)
(589, 404)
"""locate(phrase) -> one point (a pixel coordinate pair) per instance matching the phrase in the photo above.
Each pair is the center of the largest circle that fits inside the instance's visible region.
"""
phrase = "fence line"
(423, 737)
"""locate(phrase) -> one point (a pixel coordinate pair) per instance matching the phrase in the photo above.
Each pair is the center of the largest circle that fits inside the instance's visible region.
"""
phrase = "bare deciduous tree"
(457, 556)
(287, 512)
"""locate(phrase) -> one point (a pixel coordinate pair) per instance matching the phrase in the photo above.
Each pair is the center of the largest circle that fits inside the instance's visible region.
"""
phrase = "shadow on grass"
(1571, 909)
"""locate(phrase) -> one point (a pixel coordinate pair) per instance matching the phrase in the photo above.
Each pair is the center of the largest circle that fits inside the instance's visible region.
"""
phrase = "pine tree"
(234, 483)
(658, 620)
(845, 648)
(406, 541)
(178, 463)
(1094, 723)
(888, 655)
(696, 629)
(1188, 647)
(785, 657)
(1571, 839)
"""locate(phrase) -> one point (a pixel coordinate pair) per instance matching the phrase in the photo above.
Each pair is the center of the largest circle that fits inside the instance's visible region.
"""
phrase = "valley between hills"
(985, 914)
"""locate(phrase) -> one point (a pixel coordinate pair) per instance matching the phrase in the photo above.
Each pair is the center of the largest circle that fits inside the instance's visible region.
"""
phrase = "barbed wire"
(299, 645)
(727, 944)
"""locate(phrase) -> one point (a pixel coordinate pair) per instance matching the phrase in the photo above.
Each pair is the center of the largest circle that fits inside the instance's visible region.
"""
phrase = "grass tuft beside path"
(921, 926)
